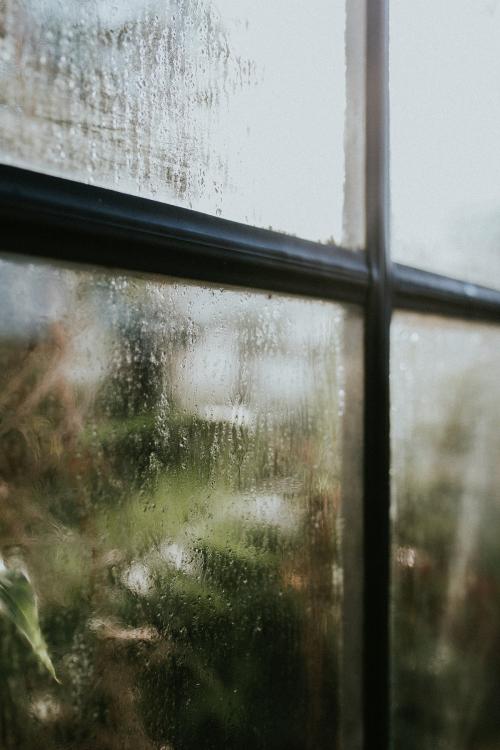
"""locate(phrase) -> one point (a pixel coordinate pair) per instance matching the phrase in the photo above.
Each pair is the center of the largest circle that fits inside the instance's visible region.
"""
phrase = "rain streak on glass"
(446, 516)
(236, 109)
(174, 480)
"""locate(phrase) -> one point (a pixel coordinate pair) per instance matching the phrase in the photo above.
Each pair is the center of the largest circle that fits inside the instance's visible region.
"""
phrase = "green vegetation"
(446, 572)
(183, 566)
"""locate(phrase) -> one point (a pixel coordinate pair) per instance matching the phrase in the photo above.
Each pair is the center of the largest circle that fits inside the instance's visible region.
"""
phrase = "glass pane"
(174, 463)
(445, 153)
(446, 522)
(237, 109)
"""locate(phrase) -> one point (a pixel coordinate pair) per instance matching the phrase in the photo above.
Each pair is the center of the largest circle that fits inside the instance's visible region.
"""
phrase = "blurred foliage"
(446, 568)
(18, 604)
(175, 615)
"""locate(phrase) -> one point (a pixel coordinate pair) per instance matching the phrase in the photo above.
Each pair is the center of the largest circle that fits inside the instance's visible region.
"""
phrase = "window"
(202, 541)
(445, 509)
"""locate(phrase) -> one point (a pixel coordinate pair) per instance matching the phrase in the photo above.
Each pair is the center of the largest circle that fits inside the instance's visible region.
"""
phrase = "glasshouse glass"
(446, 521)
(175, 461)
(445, 152)
(237, 109)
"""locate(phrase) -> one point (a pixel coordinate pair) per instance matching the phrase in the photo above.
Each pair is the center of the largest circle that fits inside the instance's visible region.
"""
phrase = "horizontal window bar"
(427, 292)
(67, 220)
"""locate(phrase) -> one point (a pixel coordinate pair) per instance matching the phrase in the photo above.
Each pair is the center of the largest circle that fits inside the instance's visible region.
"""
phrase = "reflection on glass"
(238, 109)
(446, 521)
(171, 482)
(445, 155)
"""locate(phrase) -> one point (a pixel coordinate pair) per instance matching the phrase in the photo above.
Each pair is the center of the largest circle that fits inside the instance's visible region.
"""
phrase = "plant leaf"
(18, 604)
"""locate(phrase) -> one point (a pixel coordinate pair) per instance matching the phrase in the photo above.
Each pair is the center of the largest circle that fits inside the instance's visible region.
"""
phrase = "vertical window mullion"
(377, 329)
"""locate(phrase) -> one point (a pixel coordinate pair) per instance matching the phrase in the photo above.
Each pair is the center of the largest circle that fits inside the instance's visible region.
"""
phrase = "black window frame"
(63, 220)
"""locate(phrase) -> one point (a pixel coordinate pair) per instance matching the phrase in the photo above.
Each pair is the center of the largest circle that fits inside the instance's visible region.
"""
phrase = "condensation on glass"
(445, 151)
(174, 464)
(238, 109)
(446, 519)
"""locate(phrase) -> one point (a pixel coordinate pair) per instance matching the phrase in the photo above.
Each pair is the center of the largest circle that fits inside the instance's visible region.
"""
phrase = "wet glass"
(445, 380)
(177, 464)
(250, 110)
(445, 151)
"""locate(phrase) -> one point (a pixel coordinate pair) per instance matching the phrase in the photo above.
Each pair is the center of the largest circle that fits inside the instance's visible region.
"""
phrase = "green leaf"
(18, 604)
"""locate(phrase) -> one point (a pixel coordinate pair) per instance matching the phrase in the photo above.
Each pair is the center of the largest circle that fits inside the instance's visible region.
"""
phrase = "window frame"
(59, 219)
